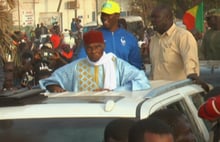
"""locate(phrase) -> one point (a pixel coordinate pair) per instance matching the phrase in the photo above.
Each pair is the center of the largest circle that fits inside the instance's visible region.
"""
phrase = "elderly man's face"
(95, 51)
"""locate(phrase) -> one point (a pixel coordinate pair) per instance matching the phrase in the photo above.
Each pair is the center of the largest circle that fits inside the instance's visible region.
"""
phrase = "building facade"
(32, 12)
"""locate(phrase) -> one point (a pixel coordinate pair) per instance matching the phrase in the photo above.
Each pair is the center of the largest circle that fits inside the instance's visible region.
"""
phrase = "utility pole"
(97, 12)
(76, 8)
(58, 8)
(19, 18)
(34, 12)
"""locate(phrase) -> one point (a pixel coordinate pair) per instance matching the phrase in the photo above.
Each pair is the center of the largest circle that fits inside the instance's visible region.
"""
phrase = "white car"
(82, 117)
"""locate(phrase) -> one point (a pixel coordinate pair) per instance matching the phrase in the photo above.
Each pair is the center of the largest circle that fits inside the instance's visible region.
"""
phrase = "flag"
(193, 18)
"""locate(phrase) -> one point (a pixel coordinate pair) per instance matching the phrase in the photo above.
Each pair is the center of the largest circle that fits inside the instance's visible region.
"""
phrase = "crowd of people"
(110, 59)
(38, 56)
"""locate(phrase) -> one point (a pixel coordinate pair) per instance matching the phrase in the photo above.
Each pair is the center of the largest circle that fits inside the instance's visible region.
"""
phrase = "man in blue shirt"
(73, 25)
(117, 40)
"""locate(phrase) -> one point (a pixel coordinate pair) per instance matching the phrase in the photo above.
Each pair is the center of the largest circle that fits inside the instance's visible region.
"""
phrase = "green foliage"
(144, 7)
(7, 50)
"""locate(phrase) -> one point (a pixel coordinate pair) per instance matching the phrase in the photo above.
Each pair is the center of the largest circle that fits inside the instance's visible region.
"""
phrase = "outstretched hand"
(194, 77)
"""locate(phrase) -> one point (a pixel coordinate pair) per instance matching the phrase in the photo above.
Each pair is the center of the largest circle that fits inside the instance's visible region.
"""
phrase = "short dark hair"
(170, 116)
(173, 118)
(118, 129)
(167, 10)
(148, 125)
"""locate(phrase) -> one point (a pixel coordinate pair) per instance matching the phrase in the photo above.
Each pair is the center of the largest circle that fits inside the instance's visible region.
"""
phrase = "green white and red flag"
(193, 18)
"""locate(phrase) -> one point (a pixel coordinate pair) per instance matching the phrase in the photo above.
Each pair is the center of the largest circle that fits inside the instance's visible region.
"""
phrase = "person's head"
(94, 44)
(122, 23)
(117, 130)
(161, 18)
(56, 29)
(150, 130)
(178, 122)
(212, 17)
(110, 14)
(26, 58)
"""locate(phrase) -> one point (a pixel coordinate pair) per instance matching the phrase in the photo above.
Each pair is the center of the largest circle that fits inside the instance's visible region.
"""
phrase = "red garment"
(210, 110)
(68, 55)
(55, 39)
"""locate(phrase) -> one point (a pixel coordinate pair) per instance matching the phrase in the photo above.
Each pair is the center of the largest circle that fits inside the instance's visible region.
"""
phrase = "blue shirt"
(73, 27)
(123, 44)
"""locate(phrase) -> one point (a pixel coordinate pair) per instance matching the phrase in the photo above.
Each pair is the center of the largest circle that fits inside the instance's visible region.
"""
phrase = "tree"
(143, 8)
(7, 50)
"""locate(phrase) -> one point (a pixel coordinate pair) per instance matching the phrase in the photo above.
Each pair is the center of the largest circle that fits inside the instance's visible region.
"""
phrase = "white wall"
(68, 14)
(30, 11)
(27, 12)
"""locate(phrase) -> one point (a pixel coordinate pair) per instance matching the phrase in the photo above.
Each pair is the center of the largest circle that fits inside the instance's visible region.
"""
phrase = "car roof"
(97, 104)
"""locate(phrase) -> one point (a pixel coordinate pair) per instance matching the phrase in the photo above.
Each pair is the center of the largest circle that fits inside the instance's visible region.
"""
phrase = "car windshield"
(53, 130)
